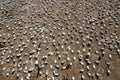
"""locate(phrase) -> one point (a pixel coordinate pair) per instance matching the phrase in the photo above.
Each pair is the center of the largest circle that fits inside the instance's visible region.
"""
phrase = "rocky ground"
(59, 39)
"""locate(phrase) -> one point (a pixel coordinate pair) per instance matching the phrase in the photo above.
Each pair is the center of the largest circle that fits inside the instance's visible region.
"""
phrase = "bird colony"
(59, 39)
